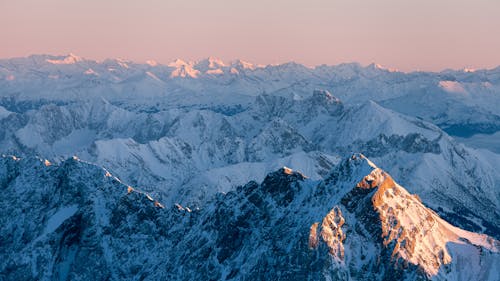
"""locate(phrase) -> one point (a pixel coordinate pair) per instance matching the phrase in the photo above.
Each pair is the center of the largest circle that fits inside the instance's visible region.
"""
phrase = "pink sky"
(402, 34)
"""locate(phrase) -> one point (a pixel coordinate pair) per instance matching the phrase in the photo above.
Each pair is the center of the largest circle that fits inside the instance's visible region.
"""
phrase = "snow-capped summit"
(177, 63)
(413, 233)
(152, 63)
(202, 135)
(356, 224)
(324, 95)
(69, 59)
(241, 65)
(377, 66)
(183, 69)
(209, 63)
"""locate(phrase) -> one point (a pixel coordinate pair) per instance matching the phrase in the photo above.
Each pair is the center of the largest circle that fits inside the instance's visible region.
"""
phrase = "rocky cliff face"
(76, 221)
(168, 128)
(187, 154)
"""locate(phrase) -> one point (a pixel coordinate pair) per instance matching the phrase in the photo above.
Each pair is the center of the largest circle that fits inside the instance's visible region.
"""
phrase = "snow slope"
(187, 154)
(76, 221)
(187, 130)
(460, 101)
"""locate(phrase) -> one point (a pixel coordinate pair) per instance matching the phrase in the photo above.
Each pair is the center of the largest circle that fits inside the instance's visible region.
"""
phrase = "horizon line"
(153, 62)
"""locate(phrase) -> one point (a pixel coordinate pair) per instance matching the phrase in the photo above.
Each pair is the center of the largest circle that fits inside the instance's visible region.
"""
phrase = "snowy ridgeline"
(464, 102)
(188, 132)
(185, 137)
(187, 155)
(76, 221)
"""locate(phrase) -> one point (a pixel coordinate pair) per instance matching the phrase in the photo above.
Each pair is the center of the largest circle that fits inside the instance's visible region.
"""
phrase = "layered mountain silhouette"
(76, 221)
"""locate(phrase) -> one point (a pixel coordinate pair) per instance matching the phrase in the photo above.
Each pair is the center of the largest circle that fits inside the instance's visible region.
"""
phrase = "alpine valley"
(207, 170)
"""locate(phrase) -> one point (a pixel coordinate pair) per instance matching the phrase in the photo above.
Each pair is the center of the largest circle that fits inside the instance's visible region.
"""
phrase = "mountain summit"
(412, 233)
(76, 221)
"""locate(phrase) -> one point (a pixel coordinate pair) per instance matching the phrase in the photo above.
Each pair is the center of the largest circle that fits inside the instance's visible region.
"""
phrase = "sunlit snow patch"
(90, 71)
(452, 87)
(70, 59)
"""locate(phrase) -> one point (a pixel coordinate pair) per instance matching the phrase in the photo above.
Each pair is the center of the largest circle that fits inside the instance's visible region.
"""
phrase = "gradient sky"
(402, 34)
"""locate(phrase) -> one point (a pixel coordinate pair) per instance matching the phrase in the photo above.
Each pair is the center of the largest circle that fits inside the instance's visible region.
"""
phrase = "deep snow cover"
(76, 221)
(188, 132)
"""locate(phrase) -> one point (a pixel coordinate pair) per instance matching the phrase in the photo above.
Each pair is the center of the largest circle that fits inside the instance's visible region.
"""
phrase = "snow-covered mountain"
(188, 154)
(76, 221)
(195, 133)
(463, 102)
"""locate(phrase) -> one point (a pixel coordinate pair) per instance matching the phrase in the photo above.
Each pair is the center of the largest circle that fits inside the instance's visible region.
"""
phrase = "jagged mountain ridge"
(191, 133)
(187, 154)
(463, 102)
(356, 224)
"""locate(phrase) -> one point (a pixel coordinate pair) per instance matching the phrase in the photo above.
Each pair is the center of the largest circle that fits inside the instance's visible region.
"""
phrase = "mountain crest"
(69, 59)
(409, 231)
(376, 231)
(283, 185)
(183, 69)
(322, 95)
(209, 63)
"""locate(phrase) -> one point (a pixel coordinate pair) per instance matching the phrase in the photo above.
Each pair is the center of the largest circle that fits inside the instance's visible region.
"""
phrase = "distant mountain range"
(193, 135)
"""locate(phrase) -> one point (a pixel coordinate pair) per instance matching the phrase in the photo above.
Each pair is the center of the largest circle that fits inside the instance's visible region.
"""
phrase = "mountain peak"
(177, 63)
(210, 65)
(409, 231)
(213, 62)
(183, 69)
(283, 184)
(69, 59)
(241, 64)
(377, 231)
(152, 63)
(376, 66)
(325, 95)
(360, 158)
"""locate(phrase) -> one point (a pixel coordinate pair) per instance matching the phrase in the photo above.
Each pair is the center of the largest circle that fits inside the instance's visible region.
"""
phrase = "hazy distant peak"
(177, 63)
(241, 64)
(183, 69)
(212, 62)
(69, 59)
(377, 66)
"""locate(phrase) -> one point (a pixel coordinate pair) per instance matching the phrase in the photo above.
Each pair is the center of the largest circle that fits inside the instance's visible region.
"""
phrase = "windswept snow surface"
(187, 130)
(195, 185)
(356, 224)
